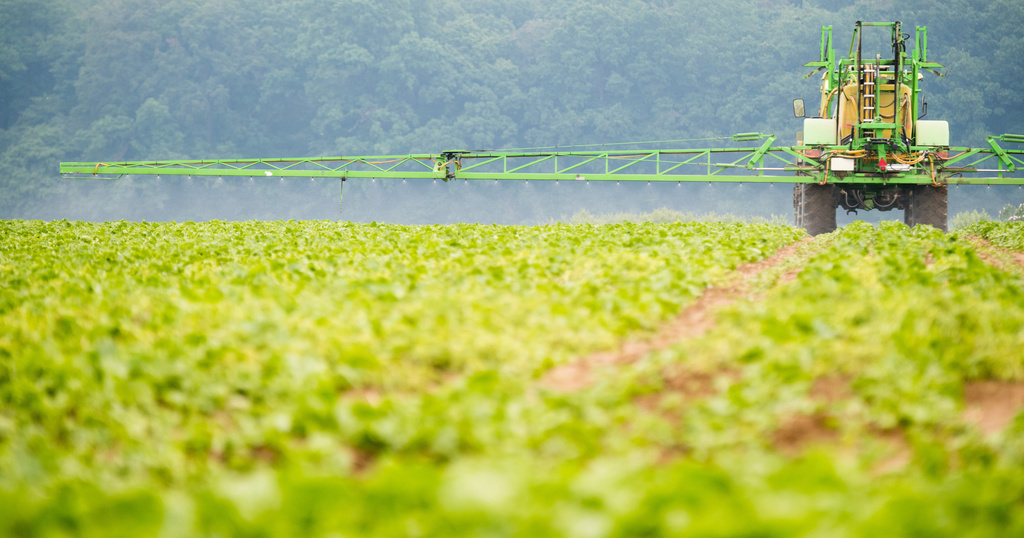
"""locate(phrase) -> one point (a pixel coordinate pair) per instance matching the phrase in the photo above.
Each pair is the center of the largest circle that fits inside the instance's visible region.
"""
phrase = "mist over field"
(419, 201)
(114, 80)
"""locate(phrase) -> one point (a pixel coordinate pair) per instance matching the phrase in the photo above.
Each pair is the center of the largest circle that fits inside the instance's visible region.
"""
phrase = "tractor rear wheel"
(815, 207)
(926, 204)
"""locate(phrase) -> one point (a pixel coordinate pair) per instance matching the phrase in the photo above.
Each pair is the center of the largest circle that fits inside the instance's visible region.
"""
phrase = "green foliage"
(171, 346)
(310, 378)
(1001, 234)
(967, 218)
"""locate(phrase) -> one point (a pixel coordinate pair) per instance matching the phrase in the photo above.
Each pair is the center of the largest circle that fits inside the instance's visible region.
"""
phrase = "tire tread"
(815, 207)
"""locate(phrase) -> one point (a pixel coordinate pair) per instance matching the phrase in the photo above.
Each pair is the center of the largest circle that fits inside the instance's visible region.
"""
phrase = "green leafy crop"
(1001, 234)
(310, 378)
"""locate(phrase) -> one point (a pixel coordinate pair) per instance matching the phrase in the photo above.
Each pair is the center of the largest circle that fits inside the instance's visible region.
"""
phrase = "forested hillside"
(103, 80)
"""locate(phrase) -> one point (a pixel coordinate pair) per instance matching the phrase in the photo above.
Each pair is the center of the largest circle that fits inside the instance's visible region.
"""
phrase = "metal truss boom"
(764, 163)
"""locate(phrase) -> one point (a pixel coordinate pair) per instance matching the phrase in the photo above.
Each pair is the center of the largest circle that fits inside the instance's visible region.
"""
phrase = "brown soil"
(672, 454)
(789, 276)
(265, 454)
(688, 384)
(1017, 257)
(899, 451)
(691, 385)
(371, 396)
(693, 321)
(831, 388)
(991, 405)
(362, 461)
(801, 431)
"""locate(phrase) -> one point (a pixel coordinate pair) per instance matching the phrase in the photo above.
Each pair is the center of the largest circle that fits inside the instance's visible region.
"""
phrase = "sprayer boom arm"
(764, 163)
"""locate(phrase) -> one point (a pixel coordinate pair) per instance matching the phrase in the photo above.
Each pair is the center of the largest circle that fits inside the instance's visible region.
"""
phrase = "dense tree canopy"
(148, 79)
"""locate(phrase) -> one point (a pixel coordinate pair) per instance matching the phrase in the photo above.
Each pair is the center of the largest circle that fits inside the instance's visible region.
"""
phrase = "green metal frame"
(905, 69)
(763, 163)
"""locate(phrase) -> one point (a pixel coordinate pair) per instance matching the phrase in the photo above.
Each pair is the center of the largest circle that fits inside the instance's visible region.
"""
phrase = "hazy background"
(102, 80)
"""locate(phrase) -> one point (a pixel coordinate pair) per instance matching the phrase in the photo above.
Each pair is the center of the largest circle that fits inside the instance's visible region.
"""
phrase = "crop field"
(339, 379)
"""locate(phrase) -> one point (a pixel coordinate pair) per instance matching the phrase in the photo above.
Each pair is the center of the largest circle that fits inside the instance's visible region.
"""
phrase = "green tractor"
(868, 146)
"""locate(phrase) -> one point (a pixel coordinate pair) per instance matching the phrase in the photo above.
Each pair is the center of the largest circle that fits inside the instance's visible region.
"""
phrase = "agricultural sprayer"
(866, 146)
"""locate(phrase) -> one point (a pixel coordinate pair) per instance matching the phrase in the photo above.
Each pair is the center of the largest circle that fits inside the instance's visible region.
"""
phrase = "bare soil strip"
(991, 405)
(692, 322)
(999, 257)
(800, 431)
(795, 434)
(832, 388)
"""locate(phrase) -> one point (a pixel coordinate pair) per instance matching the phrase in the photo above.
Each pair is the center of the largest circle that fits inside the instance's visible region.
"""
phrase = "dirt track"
(998, 257)
(692, 322)
(989, 405)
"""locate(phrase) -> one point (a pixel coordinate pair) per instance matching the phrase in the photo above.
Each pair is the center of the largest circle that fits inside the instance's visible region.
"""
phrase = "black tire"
(815, 207)
(926, 204)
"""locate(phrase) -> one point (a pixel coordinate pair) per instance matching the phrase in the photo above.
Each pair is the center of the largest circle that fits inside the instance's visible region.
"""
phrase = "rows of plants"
(227, 377)
(839, 402)
(1009, 235)
(314, 378)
